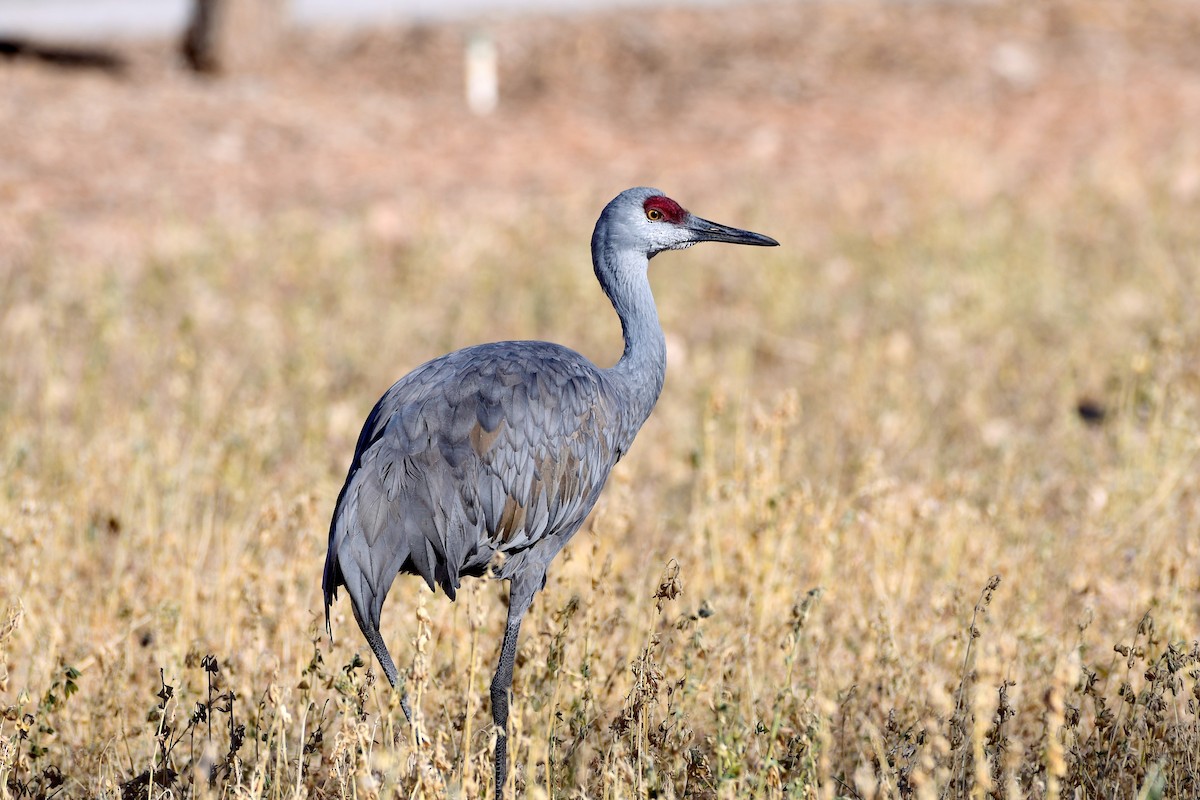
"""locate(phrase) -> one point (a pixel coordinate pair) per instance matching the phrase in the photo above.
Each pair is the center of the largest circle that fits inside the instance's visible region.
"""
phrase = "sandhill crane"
(503, 448)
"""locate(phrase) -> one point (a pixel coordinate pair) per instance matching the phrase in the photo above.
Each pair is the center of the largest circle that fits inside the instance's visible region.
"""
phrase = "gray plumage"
(504, 448)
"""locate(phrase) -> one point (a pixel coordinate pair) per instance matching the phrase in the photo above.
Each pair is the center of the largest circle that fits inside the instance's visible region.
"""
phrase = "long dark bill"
(705, 231)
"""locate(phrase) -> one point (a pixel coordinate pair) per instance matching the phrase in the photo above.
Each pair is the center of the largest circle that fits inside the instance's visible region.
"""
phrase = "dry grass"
(787, 590)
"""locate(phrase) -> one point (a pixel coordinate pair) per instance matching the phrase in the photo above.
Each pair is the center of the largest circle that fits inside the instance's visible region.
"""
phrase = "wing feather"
(497, 448)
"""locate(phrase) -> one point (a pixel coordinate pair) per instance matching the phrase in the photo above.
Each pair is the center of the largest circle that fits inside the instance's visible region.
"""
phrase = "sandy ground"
(797, 99)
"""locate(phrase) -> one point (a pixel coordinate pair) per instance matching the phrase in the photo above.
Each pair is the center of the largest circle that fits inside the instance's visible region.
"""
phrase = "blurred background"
(226, 227)
(365, 105)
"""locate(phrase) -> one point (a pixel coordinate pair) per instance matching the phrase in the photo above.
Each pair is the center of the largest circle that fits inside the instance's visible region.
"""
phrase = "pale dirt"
(812, 103)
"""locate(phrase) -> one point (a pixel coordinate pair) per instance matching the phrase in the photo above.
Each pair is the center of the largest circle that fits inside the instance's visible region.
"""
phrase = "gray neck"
(638, 376)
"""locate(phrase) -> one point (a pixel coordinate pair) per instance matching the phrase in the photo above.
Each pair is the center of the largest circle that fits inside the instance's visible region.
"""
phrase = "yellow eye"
(653, 214)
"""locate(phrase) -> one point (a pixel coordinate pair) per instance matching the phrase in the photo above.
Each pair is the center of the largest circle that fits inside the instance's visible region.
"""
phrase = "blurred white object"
(483, 81)
(1016, 64)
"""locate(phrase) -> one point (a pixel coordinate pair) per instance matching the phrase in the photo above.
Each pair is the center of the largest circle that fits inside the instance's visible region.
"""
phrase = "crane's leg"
(520, 596)
(385, 659)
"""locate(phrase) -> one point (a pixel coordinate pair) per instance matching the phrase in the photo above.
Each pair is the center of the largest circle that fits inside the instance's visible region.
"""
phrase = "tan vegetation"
(975, 355)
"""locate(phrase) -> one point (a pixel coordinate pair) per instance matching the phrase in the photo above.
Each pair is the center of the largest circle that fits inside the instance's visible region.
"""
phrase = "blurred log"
(232, 35)
(65, 56)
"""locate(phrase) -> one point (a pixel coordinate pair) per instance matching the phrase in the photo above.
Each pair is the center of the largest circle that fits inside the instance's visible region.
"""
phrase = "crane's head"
(647, 220)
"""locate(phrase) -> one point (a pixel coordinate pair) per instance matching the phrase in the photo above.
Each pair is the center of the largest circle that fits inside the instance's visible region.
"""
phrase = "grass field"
(917, 515)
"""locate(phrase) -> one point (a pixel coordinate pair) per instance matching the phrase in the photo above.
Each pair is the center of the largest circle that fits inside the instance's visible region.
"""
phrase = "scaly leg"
(520, 597)
(375, 640)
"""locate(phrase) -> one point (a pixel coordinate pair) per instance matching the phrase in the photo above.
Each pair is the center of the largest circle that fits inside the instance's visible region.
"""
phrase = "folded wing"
(497, 448)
